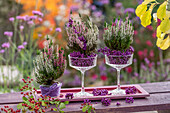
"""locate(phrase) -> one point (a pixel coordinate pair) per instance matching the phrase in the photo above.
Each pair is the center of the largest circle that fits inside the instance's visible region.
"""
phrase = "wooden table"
(159, 100)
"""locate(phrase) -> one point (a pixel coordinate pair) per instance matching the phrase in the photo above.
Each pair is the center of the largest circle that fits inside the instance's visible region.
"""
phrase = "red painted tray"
(141, 93)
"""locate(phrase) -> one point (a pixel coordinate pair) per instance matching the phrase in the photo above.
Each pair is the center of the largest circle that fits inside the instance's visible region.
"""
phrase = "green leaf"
(62, 106)
(66, 102)
(54, 109)
(61, 111)
(19, 106)
(84, 109)
(43, 103)
(89, 110)
(24, 99)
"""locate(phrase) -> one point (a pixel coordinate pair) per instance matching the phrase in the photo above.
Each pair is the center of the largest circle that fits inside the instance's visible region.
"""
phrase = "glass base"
(117, 92)
(82, 94)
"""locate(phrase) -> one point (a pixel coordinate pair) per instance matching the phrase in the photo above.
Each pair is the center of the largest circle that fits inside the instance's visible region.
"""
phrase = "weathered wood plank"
(156, 87)
(160, 101)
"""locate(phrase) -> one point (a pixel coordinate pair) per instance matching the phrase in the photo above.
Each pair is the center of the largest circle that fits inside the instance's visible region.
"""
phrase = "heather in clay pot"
(49, 65)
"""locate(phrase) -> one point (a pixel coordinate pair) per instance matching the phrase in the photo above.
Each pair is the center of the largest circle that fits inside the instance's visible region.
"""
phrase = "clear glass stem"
(82, 82)
(118, 79)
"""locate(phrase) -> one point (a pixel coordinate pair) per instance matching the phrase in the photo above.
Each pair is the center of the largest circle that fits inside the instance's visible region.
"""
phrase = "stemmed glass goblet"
(82, 64)
(118, 62)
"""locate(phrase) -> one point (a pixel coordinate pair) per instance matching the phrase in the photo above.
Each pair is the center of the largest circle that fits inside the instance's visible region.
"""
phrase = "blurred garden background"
(22, 34)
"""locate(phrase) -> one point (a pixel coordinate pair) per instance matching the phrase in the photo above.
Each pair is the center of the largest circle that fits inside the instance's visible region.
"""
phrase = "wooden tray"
(141, 93)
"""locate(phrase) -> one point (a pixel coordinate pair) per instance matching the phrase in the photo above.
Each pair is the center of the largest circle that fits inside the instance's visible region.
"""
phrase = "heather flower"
(2, 51)
(131, 90)
(147, 61)
(104, 1)
(8, 33)
(83, 35)
(129, 100)
(97, 13)
(69, 96)
(136, 74)
(11, 19)
(6, 45)
(98, 92)
(118, 31)
(58, 29)
(93, 7)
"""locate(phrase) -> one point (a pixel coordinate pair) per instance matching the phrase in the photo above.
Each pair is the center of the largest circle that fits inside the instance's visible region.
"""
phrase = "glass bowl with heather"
(82, 42)
(118, 37)
(49, 65)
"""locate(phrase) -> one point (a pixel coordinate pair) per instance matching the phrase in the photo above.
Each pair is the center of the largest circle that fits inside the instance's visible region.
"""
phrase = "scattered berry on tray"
(106, 101)
(131, 90)
(129, 100)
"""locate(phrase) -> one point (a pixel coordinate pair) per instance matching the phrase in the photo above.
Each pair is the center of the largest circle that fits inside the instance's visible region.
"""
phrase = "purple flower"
(11, 19)
(129, 100)
(32, 17)
(129, 10)
(21, 18)
(24, 43)
(58, 29)
(38, 13)
(118, 5)
(74, 8)
(104, 1)
(40, 19)
(93, 7)
(30, 22)
(143, 67)
(2, 51)
(20, 47)
(97, 13)
(136, 74)
(8, 33)
(147, 61)
(21, 27)
(140, 1)
(39, 35)
(6, 45)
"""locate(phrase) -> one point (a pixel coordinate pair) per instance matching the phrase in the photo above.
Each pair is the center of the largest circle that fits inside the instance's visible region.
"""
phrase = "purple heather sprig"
(38, 13)
(131, 90)
(98, 92)
(106, 101)
(129, 100)
(69, 96)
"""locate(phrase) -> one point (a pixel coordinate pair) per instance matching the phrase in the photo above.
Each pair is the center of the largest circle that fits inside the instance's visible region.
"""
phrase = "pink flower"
(129, 69)
(6, 45)
(38, 13)
(103, 77)
(137, 41)
(151, 54)
(2, 51)
(58, 29)
(24, 43)
(145, 51)
(21, 27)
(149, 43)
(140, 54)
(11, 19)
(8, 33)
(94, 76)
(149, 27)
(135, 32)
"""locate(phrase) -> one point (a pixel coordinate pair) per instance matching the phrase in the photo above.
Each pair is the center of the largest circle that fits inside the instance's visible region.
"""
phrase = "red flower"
(149, 43)
(151, 54)
(41, 44)
(94, 76)
(103, 77)
(129, 69)
(140, 54)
